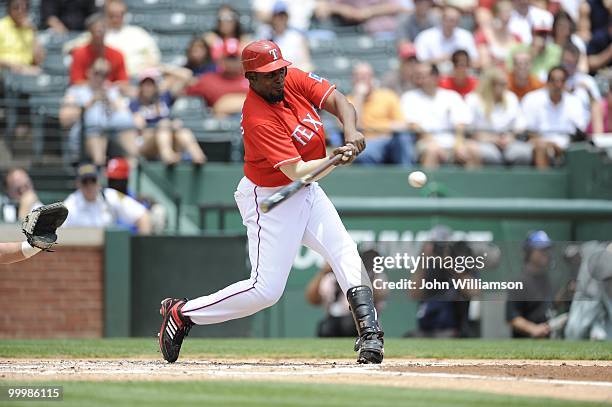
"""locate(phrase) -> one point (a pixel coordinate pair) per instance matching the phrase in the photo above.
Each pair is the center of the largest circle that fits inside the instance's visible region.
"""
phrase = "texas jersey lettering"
(284, 132)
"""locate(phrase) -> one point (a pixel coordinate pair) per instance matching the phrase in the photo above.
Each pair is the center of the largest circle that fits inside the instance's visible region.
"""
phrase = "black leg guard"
(370, 342)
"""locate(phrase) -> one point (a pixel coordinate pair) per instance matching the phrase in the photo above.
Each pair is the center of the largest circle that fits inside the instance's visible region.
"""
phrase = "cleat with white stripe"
(175, 326)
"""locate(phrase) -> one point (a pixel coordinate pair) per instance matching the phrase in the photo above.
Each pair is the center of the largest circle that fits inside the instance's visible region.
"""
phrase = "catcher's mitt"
(40, 225)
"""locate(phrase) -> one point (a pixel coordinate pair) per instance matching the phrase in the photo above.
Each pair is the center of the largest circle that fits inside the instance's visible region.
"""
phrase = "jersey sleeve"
(275, 145)
(315, 88)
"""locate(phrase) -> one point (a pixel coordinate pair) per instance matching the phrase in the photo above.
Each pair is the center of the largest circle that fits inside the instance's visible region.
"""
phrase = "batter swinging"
(284, 140)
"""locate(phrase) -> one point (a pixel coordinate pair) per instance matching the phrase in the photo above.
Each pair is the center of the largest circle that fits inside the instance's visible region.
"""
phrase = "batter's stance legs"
(370, 342)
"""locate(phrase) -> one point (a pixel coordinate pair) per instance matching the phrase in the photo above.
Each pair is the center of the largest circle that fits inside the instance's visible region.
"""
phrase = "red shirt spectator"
(229, 81)
(450, 82)
(83, 57)
(213, 85)
(460, 80)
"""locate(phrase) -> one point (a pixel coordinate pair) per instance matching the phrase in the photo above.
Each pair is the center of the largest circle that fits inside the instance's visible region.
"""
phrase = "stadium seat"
(57, 64)
(172, 43)
(189, 108)
(37, 85)
(176, 22)
(44, 108)
(147, 5)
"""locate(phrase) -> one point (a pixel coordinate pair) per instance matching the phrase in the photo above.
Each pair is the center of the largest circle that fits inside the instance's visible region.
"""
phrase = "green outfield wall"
(376, 204)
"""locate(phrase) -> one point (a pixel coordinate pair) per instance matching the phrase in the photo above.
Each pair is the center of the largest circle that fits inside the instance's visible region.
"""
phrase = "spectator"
(118, 175)
(544, 54)
(137, 46)
(599, 49)
(300, 12)
(83, 57)
(460, 80)
(564, 33)
(102, 110)
(520, 80)
(496, 120)
(161, 134)
(402, 80)
(378, 17)
(19, 50)
(199, 60)
(224, 91)
(436, 44)
(495, 41)
(528, 310)
(552, 115)
(20, 198)
(590, 314)
(293, 43)
(438, 117)
(91, 205)
(62, 16)
(442, 313)
(325, 291)
(412, 24)
(606, 108)
(228, 28)
(525, 17)
(379, 116)
(584, 87)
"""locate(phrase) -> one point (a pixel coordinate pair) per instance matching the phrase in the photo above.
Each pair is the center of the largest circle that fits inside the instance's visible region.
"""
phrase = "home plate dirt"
(578, 380)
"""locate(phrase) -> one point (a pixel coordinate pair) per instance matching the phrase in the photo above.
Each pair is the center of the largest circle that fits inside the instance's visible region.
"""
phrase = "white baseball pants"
(307, 218)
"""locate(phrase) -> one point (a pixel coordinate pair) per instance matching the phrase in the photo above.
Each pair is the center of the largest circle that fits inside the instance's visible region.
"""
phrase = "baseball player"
(39, 226)
(284, 140)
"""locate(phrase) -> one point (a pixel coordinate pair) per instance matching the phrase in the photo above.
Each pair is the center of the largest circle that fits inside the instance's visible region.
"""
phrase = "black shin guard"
(370, 341)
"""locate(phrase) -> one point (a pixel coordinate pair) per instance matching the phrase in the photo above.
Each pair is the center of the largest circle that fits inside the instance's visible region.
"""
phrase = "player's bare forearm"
(338, 105)
(10, 253)
(301, 169)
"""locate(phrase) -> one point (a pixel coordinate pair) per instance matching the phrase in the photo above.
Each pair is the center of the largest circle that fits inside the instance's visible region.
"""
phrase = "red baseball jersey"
(285, 132)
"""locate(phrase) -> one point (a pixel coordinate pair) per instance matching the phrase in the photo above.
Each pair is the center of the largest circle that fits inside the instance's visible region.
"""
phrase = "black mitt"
(40, 225)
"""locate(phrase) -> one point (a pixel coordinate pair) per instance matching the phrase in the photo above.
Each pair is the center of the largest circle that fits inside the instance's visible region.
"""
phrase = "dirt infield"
(577, 380)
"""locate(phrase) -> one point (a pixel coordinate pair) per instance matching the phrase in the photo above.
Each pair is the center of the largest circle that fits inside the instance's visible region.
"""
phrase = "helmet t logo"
(274, 54)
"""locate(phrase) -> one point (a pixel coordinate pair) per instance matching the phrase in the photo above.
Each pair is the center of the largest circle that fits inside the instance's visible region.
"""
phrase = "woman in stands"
(160, 135)
(496, 119)
(494, 40)
(564, 32)
(228, 26)
(199, 59)
(100, 107)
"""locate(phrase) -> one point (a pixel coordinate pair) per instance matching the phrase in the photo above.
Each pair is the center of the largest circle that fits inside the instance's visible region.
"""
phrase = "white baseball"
(417, 179)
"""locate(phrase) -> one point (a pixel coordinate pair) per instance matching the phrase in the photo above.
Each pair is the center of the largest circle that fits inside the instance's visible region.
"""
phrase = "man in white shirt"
(292, 42)
(437, 44)
(300, 12)
(584, 87)
(552, 115)
(438, 116)
(525, 17)
(93, 206)
(137, 45)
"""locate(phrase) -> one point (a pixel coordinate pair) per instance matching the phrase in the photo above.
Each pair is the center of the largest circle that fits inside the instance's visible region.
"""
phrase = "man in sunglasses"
(91, 205)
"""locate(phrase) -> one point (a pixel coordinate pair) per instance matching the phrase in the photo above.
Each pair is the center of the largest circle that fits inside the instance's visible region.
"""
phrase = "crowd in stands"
(475, 83)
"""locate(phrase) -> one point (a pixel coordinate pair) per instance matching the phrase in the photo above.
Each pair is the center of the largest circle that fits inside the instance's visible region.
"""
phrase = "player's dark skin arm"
(338, 105)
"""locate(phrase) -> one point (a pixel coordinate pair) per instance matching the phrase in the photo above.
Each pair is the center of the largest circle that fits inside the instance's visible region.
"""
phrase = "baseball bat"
(289, 190)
